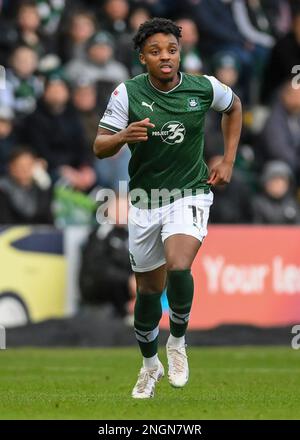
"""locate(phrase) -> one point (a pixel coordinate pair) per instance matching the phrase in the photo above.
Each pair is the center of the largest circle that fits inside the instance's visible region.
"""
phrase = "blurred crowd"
(62, 60)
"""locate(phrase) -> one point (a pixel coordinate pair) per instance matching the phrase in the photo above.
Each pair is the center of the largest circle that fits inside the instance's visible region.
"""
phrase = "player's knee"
(178, 265)
(148, 287)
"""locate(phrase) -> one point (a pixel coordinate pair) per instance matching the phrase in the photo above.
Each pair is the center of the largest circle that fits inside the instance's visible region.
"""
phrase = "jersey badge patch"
(193, 104)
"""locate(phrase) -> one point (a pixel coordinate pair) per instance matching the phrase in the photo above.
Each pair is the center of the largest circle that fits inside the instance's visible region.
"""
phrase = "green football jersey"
(171, 161)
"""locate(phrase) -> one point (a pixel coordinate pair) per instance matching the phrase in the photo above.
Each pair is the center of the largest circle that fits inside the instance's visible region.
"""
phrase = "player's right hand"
(136, 131)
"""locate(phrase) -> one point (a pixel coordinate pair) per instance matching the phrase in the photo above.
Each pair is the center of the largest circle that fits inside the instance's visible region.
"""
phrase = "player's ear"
(142, 58)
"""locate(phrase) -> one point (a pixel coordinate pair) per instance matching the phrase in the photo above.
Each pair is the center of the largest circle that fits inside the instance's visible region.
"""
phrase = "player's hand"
(220, 173)
(136, 131)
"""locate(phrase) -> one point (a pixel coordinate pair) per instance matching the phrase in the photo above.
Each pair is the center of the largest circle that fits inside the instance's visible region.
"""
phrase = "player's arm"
(108, 143)
(225, 101)
(221, 173)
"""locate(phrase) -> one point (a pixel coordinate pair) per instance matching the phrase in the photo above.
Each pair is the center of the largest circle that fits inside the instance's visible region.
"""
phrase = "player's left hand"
(220, 173)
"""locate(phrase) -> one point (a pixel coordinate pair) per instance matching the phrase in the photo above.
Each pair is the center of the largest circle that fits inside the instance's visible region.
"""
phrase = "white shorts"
(149, 228)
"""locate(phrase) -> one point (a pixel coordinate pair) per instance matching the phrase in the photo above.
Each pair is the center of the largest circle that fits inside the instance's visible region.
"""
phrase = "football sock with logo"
(147, 314)
(180, 293)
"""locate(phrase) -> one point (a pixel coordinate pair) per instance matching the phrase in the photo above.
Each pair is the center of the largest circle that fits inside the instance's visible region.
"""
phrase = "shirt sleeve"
(223, 96)
(115, 117)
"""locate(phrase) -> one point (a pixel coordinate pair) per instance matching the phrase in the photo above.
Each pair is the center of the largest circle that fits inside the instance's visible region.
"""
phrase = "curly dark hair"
(155, 26)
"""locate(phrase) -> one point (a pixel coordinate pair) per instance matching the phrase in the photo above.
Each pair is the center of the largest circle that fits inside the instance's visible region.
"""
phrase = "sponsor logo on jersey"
(172, 132)
(108, 112)
(116, 92)
(193, 104)
(145, 104)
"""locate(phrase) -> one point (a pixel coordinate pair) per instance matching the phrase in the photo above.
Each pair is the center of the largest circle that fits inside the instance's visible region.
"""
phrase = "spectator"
(22, 200)
(276, 204)
(8, 37)
(28, 25)
(100, 64)
(253, 23)
(221, 30)
(107, 248)
(22, 83)
(226, 68)
(124, 51)
(284, 56)
(163, 8)
(231, 202)
(218, 29)
(8, 138)
(112, 170)
(56, 134)
(49, 65)
(51, 12)
(280, 138)
(191, 60)
(79, 28)
(84, 98)
(115, 17)
(279, 15)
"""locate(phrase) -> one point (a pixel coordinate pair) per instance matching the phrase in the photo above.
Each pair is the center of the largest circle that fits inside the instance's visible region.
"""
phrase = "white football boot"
(178, 373)
(147, 379)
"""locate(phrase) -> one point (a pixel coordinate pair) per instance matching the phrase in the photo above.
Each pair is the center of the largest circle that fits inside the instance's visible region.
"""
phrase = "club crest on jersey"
(172, 132)
(193, 104)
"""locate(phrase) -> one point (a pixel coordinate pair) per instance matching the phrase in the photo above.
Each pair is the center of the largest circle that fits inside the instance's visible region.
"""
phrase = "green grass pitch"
(225, 383)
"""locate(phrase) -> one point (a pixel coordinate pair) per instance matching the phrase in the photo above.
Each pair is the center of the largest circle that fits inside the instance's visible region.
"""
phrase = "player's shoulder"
(136, 81)
(119, 94)
(216, 84)
(127, 89)
(195, 79)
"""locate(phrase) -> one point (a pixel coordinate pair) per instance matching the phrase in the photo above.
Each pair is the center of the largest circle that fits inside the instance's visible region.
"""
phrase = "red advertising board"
(247, 275)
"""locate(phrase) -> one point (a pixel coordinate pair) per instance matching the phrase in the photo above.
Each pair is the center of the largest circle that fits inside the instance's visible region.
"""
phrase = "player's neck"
(163, 85)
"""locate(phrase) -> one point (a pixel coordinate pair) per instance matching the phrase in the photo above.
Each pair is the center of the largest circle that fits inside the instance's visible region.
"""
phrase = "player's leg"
(148, 263)
(182, 239)
(180, 251)
(147, 314)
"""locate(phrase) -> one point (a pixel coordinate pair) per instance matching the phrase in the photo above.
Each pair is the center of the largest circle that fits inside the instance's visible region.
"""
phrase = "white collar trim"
(161, 91)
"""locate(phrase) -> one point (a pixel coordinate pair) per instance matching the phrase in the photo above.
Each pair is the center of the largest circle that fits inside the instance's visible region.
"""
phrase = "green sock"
(147, 314)
(180, 293)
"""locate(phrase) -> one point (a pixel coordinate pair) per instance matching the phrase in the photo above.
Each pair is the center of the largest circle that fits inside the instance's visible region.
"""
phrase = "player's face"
(161, 56)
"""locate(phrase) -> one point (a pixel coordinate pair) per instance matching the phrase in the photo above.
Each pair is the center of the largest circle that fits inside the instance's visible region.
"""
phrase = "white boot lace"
(143, 379)
(177, 357)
